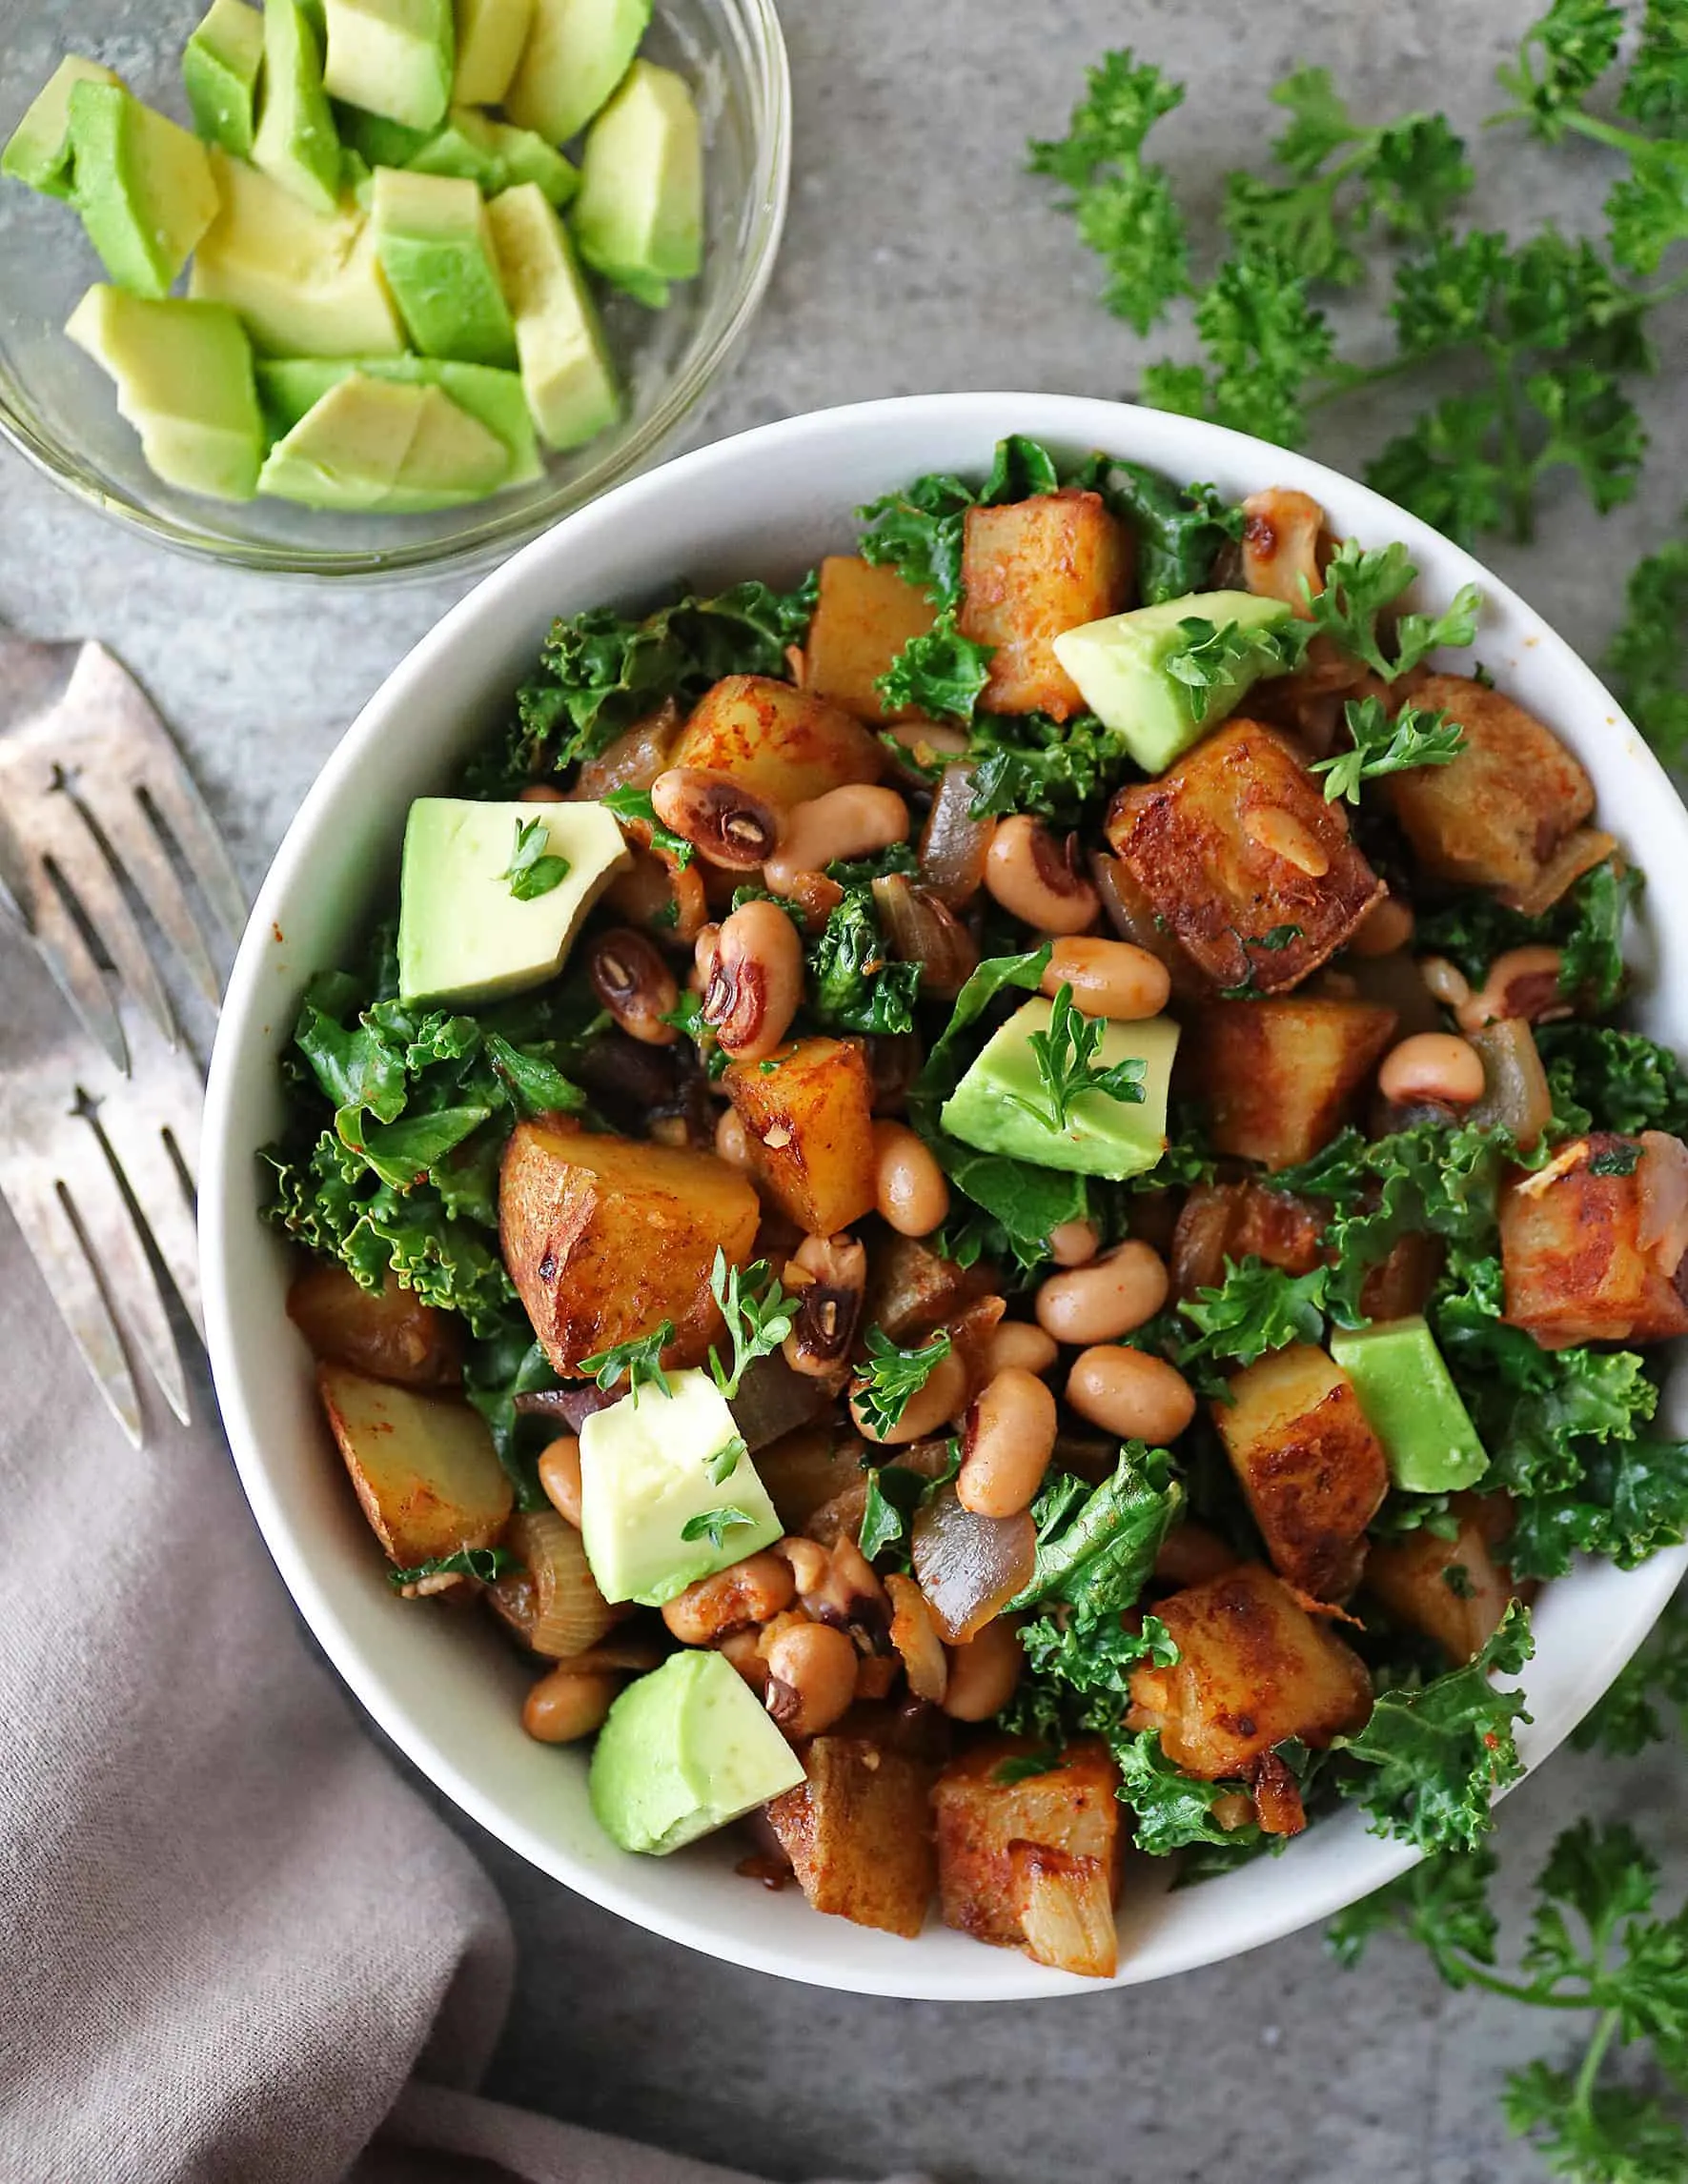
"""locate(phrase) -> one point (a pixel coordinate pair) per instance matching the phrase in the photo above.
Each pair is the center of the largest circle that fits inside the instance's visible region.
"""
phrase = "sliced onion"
(1578, 853)
(552, 1603)
(954, 845)
(634, 759)
(1132, 915)
(773, 1401)
(922, 929)
(1281, 531)
(1516, 1096)
(969, 1568)
(1198, 1242)
(573, 1406)
(1662, 1180)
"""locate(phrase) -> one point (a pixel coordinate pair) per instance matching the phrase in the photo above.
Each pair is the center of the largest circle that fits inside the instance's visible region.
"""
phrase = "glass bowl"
(59, 409)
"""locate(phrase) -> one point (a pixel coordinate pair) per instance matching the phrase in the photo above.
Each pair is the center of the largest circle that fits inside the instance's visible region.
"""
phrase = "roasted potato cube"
(1253, 1668)
(1219, 1221)
(1032, 1864)
(1029, 570)
(807, 1117)
(1570, 1245)
(1278, 1076)
(1453, 1590)
(1312, 1469)
(1207, 843)
(388, 1332)
(859, 1832)
(785, 743)
(1497, 815)
(605, 1238)
(423, 1466)
(863, 618)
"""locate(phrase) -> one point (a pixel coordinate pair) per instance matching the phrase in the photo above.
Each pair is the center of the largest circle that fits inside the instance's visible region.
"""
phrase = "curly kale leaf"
(853, 984)
(1095, 1549)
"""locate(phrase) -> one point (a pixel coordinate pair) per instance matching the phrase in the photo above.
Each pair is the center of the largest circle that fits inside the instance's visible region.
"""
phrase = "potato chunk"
(863, 618)
(785, 743)
(1253, 1668)
(1453, 1590)
(605, 1238)
(388, 1331)
(1033, 1864)
(1495, 817)
(1312, 1469)
(423, 1468)
(1570, 1245)
(1278, 1076)
(1206, 844)
(807, 1116)
(858, 1833)
(1029, 570)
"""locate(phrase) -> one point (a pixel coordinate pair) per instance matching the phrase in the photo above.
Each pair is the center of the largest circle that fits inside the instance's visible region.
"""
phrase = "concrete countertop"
(920, 256)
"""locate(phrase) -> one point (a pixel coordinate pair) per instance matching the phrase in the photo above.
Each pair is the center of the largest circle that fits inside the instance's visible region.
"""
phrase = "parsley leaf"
(889, 1377)
(484, 1563)
(853, 984)
(533, 869)
(638, 1361)
(1415, 737)
(1656, 88)
(726, 1459)
(1625, 1721)
(1441, 1902)
(1211, 659)
(1360, 583)
(758, 1312)
(1068, 1068)
(1563, 54)
(1264, 344)
(1648, 659)
(714, 1524)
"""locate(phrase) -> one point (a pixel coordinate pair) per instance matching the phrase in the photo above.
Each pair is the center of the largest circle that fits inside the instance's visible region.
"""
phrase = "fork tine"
(135, 1143)
(115, 1248)
(135, 841)
(58, 1250)
(178, 803)
(76, 973)
(61, 834)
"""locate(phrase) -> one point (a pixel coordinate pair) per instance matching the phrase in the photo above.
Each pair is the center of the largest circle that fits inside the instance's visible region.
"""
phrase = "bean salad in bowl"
(999, 1205)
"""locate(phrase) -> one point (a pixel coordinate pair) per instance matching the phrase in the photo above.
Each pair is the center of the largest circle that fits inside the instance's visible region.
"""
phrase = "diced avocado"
(289, 386)
(392, 57)
(452, 458)
(491, 34)
(686, 1749)
(184, 382)
(639, 218)
(1102, 1136)
(346, 452)
(307, 284)
(462, 936)
(1411, 1405)
(1120, 666)
(464, 145)
(297, 143)
(565, 367)
(143, 186)
(525, 157)
(38, 149)
(577, 52)
(377, 141)
(220, 68)
(647, 1483)
(436, 249)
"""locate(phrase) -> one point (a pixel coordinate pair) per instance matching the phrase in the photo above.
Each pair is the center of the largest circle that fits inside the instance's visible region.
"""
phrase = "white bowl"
(767, 504)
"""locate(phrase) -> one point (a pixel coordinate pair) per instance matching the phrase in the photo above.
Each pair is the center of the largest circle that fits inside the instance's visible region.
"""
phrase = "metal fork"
(99, 1121)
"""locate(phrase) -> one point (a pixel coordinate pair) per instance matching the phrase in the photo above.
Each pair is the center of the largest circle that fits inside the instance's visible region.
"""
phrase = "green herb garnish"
(889, 1376)
(533, 869)
(758, 1317)
(714, 1524)
(484, 1563)
(1415, 737)
(638, 1361)
(1066, 1065)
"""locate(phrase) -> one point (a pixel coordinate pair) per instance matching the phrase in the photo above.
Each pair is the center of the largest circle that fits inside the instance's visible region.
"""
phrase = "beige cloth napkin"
(238, 1950)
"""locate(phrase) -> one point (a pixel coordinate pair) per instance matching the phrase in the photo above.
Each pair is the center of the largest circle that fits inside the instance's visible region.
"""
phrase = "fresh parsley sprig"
(534, 868)
(638, 1361)
(1210, 657)
(1066, 1065)
(758, 1317)
(1416, 736)
(1362, 583)
(714, 1524)
(726, 1459)
(889, 1377)
(483, 1562)
(1648, 659)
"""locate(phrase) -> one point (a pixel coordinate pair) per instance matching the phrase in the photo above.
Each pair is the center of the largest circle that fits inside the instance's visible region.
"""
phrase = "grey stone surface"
(920, 256)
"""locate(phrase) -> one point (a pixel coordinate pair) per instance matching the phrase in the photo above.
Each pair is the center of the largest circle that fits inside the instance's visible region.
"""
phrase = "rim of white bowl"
(1342, 1860)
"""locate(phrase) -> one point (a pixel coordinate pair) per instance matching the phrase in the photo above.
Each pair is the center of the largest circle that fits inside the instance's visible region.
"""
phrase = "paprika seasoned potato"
(783, 743)
(1238, 852)
(1454, 1590)
(388, 1331)
(807, 1112)
(1570, 1246)
(864, 616)
(1280, 1076)
(423, 1466)
(605, 1238)
(858, 1833)
(1032, 569)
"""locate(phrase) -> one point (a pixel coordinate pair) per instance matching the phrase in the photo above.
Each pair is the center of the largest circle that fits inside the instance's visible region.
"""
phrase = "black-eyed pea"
(910, 1191)
(983, 1671)
(563, 1706)
(812, 1678)
(1110, 1296)
(1131, 1393)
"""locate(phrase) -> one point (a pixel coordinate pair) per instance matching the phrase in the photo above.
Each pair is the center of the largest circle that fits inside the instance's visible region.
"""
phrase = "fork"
(99, 1117)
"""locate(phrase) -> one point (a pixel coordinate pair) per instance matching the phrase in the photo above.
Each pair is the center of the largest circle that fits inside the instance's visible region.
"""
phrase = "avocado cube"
(143, 186)
(288, 386)
(220, 67)
(184, 383)
(436, 249)
(1409, 1397)
(452, 458)
(391, 58)
(639, 218)
(38, 149)
(377, 141)
(306, 283)
(686, 1749)
(648, 1489)
(296, 142)
(464, 937)
(577, 52)
(1102, 1135)
(565, 365)
(525, 157)
(1122, 667)
(491, 34)
(347, 450)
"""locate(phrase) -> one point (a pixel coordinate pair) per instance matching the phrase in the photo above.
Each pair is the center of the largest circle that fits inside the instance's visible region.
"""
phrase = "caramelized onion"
(969, 1568)
(552, 1603)
(953, 844)
(922, 929)
(1515, 1095)
(1199, 1239)
(1281, 531)
(1578, 853)
(1662, 1180)
(633, 760)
